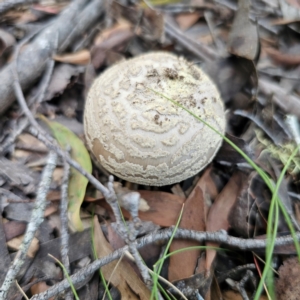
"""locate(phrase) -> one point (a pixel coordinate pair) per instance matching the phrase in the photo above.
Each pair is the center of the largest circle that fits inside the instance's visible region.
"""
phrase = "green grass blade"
(67, 276)
(271, 234)
(157, 267)
(276, 203)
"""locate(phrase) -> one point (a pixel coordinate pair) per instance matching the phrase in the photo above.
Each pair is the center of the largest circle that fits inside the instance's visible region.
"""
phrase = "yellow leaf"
(77, 182)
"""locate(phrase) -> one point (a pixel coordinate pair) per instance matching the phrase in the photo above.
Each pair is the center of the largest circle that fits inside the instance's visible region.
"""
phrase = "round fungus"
(137, 133)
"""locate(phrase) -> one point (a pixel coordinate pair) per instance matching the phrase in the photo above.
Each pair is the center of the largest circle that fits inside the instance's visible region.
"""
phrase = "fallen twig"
(164, 235)
(64, 223)
(32, 61)
(37, 218)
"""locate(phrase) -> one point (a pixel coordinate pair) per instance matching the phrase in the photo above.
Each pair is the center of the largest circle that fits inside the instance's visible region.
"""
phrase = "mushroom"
(137, 134)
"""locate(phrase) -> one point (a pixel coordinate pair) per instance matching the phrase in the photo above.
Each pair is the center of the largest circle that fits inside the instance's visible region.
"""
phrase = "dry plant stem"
(9, 4)
(39, 133)
(240, 286)
(109, 194)
(43, 85)
(32, 61)
(163, 236)
(141, 266)
(23, 122)
(168, 283)
(21, 291)
(235, 271)
(11, 139)
(64, 224)
(37, 218)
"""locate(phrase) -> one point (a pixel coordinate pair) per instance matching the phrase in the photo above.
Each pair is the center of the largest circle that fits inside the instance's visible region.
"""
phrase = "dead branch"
(32, 61)
(37, 218)
(163, 236)
(64, 223)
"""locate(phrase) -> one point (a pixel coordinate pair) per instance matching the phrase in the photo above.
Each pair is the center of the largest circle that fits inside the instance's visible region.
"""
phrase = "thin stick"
(36, 219)
(21, 290)
(64, 224)
(163, 236)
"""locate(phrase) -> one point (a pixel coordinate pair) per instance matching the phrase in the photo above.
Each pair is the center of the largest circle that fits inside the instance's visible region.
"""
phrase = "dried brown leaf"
(39, 288)
(164, 208)
(53, 8)
(243, 38)
(26, 140)
(214, 292)
(81, 57)
(186, 20)
(182, 265)
(111, 39)
(219, 212)
(124, 278)
(61, 78)
(16, 242)
(13, 229)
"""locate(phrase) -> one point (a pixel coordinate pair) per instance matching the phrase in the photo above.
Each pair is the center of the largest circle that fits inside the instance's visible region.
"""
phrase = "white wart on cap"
(139, 135)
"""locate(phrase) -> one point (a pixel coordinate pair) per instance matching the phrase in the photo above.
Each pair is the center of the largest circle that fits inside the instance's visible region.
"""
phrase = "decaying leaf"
(77, 182)
(61, 78)
(81, 57)
(16, 242)
(164, 208)
(183, 264)
(218, 214)
(39, 288)
(243, 38)
(111, 39)
(120, 275)
(186, 20)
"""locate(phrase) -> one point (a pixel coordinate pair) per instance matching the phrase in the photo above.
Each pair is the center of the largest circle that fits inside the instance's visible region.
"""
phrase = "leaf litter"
(250, 49)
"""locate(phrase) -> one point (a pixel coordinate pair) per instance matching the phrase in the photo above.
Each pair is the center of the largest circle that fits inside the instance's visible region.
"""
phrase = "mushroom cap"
(138, 135)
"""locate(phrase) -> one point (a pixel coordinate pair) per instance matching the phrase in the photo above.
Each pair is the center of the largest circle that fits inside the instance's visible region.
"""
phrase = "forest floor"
(236, 221)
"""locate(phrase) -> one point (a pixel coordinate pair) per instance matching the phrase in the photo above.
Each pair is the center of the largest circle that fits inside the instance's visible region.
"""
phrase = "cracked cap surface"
(138, 135)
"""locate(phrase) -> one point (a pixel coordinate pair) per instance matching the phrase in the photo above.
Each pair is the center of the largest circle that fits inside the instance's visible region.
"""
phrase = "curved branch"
(164, 235)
